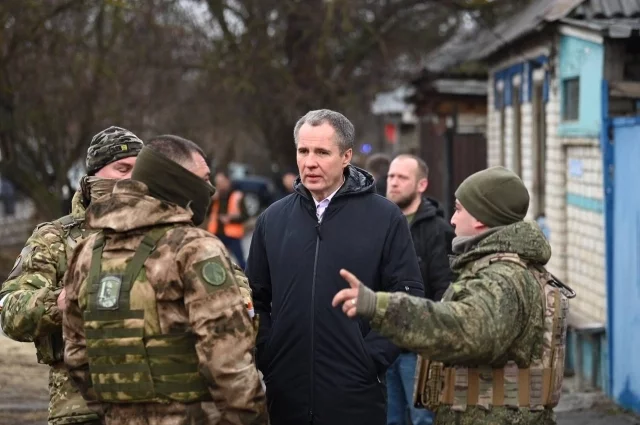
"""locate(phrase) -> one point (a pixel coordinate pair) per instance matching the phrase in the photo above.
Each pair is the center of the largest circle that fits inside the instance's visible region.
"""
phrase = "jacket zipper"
(313, 303)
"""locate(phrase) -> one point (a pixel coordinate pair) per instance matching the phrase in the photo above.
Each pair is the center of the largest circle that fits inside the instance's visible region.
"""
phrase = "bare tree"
(233, 75)
(69, 68)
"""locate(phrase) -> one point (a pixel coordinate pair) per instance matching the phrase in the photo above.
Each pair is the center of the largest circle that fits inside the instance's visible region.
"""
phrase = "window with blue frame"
(510, 95)
(581, 65)
(571, 99)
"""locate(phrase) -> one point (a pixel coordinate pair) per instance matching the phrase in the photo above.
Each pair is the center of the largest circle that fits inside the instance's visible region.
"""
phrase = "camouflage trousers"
(66, 405)
(474, 415)
(204, 413)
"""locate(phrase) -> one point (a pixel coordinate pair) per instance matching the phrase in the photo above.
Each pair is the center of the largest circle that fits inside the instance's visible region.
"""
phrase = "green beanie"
(495, 197)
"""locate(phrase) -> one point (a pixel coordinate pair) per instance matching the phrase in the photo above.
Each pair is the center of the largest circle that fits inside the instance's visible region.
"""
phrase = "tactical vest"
(50, 348)
(535, 387)
(129, 362)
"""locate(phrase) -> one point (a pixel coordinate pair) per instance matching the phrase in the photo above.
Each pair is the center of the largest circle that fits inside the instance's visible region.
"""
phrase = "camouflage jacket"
(187, 300)
(30, 312)
(487, 317)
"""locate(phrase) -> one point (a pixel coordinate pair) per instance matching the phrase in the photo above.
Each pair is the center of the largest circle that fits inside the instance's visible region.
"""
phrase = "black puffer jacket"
(321, 367)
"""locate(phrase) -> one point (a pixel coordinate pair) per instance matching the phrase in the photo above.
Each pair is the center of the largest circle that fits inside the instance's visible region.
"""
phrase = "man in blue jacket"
(319, 367)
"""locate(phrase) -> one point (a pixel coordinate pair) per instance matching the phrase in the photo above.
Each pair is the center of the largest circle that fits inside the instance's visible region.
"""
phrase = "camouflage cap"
(110, 145)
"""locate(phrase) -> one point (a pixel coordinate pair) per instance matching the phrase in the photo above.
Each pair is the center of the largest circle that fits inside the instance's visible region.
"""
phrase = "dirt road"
(24, 393)
(23, 385)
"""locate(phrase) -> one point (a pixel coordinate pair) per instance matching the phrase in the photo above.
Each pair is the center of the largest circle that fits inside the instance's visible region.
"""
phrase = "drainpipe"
(449, 182)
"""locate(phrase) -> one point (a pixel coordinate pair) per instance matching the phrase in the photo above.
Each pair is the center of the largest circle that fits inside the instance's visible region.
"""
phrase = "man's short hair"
(423, 169)
(345, 131)
(378, 164)
(176, 148)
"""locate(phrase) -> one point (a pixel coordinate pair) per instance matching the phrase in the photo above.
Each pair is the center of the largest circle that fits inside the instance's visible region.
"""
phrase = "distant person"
(319, 367)
(8, 195)
(285, 185)
(228, 215)
(407, 180)
(378, 165)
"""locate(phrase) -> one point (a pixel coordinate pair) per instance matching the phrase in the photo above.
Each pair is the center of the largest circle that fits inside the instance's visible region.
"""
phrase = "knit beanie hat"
(495, 197)
(110, 145)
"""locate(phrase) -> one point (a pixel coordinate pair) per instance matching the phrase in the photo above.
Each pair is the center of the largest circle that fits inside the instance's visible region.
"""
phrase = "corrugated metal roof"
(607, 9)
(521, 24)
(614, 18)
(560, 9)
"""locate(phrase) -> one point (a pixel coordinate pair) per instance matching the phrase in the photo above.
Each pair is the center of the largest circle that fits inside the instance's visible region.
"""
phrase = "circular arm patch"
(214, 273)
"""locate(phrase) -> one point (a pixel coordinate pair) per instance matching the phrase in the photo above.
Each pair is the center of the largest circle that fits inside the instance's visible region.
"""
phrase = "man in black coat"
(319, 367)
(407, 180)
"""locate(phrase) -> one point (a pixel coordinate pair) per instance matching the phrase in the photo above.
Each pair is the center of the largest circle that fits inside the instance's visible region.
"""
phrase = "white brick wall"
(508, 137)
(586, 239)
(577, 234)
(526, 149)
(555, 189)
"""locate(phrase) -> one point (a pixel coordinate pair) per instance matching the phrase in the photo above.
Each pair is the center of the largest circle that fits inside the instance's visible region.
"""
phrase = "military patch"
(214, 272)
(109, 293)
(17, 266)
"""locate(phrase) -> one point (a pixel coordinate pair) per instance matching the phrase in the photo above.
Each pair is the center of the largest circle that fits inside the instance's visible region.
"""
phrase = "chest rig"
(536, 387)
(130, 360)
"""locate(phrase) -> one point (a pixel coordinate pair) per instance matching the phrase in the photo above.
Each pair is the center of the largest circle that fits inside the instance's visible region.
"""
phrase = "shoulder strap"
(487, 260)
(96, 257)
(146, 247)
(509, 257)
(67, 221)
(70, 226)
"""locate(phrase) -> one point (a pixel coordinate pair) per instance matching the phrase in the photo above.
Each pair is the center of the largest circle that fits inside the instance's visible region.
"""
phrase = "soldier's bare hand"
(348, 297)
(61, 301)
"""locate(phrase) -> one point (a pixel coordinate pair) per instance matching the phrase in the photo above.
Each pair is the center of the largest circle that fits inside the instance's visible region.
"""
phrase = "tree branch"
(216, 8)
(364, 45)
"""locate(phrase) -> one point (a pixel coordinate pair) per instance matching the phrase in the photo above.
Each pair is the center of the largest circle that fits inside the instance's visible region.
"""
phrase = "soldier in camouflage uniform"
(28, 298)
(493, 350)
(156, 330)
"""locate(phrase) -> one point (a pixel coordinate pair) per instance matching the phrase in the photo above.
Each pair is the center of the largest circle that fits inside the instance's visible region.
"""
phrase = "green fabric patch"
(213, 271)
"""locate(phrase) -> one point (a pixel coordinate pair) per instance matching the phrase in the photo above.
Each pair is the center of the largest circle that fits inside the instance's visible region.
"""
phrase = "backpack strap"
(71, 227)
(146, 247)
(487, 260)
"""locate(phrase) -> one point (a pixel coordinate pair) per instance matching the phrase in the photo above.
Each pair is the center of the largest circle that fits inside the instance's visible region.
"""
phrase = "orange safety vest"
(232, 230)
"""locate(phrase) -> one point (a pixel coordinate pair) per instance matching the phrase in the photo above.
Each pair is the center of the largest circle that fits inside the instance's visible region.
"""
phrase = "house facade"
(545, 111)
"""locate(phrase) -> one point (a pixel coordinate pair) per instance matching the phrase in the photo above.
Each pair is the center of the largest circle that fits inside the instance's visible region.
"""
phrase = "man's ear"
(478, 225)
(423, 184)
(346, 158)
